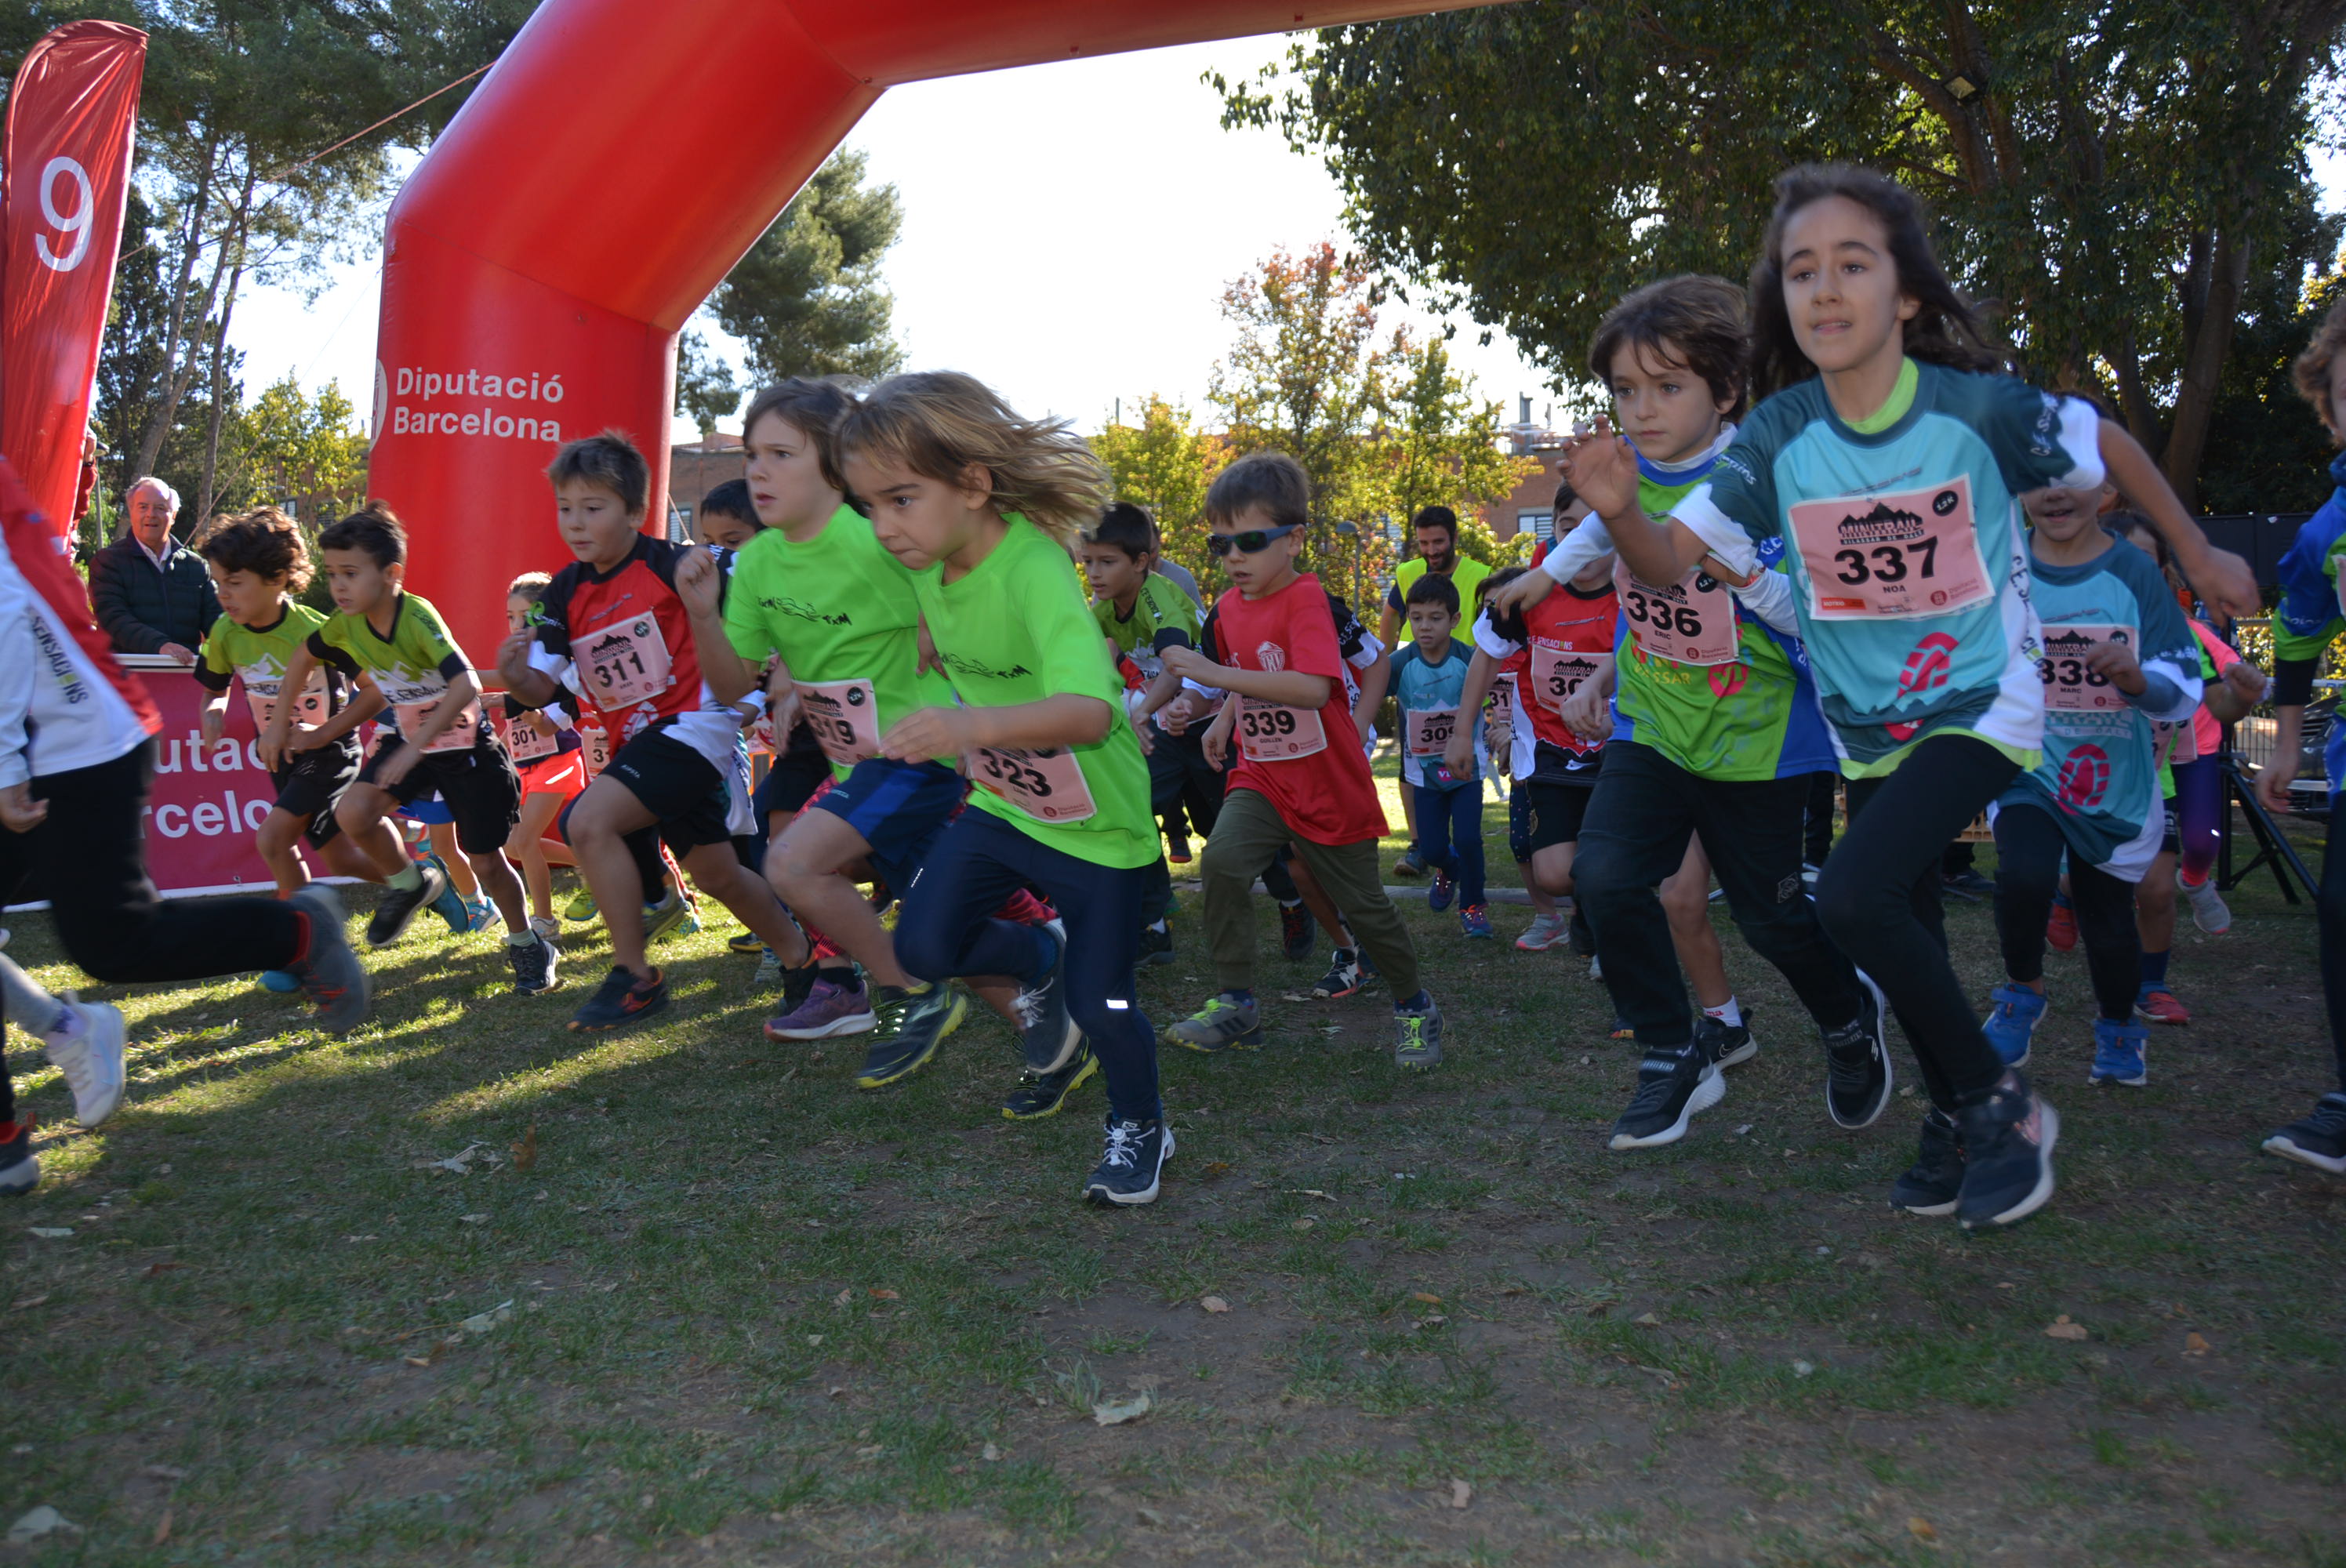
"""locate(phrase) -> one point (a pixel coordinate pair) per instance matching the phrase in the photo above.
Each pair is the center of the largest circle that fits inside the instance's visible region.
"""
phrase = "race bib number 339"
(1273, 732)
(1914, 553)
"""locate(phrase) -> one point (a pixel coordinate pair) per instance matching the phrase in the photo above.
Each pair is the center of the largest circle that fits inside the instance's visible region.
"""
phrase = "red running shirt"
(1322, 791)
(628, 639)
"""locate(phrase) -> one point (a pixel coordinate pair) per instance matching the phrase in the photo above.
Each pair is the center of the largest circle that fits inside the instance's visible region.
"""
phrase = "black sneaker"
(533, 966)
(1040, 1095)
(1931, 1185)
(1728, 1044)
(1126, 1173)
(1858, 1079)
(620, 1000)
(1298, 934)
(1155, 944)
(399, 905)
(2008, 1133)
(1670, 1090)
(1347, 971)
(330, 975)
(1968, 885)
(1047, 1034)
(927, 1017)
(2319, 1140)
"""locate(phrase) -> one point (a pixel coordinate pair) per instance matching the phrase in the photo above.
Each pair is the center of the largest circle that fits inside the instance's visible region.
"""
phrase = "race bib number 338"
(1914, 553)
(2069, 686)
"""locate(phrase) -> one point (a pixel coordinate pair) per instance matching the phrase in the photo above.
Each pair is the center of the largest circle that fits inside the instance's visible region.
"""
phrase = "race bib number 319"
(1915, 553)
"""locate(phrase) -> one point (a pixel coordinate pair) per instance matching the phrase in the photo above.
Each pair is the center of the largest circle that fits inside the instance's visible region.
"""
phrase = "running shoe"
(1595, 967)
(1177, 850)
(533, 965)
(1933, 1181)
(1410, 864)
(580, 908)
(451, 906)
(2154, 1004)
(280, 981)
(1670, 1090)
(1155, 944)
(2210, 912)
(1545, 932)
(2318, 1140)
(928, 1015)
(91, 1057)
(1858, 1078)
(830, 1009)
(330, 975)
(769, 967)
(620, 1000)
(748, 943)
(20, 1173)
(478, 914)
(545, 926)
(1475, 920)
(2119, 1048)
(1623, 1029)
(1417, 1037)
(397, 906)
(1348, 969)
(1438, 895)
(1729, 1044)
(2008, 1133)
(1129, 1165)
(2012, 1023)
(1047, 1036)
(1968, 885)
(2061, 927)
(1222, 1024)
(1040, 1095)
(665, 916)
(1298, 934)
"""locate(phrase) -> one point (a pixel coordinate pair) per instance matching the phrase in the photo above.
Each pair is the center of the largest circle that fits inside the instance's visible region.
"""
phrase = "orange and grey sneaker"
(2156, 1005)
(620, 1002)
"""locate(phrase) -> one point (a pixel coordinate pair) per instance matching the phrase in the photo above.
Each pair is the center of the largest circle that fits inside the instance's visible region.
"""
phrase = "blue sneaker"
(449, 905)
(478, 914)
(278, 981)
(1437, 897)
(1475, 920)
(2118, 1051)
(2010, 1023)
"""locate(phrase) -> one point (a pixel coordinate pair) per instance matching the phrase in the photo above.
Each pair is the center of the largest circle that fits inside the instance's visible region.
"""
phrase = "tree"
(2267, 451)
(1437, 444)
(2113, 174)
(295, 450)
(807, 300)
(1165, 464)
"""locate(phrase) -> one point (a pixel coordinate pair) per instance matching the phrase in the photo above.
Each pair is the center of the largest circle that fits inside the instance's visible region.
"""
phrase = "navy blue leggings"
(1450, 835)
(946, 929)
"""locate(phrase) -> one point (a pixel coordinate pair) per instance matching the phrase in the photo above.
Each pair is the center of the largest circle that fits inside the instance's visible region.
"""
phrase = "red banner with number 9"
(71, 111)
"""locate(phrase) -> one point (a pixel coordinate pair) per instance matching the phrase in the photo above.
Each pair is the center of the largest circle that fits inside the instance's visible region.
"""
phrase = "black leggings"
(2329, 908)
(2028, 848)
(88, 858)
(1879, 899)
(947, 928)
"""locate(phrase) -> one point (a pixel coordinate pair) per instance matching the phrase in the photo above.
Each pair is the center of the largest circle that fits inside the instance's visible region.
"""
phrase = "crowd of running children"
(1899, 565)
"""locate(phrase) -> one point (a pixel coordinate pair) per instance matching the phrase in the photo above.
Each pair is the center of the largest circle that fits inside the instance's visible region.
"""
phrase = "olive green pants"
(1247, 834)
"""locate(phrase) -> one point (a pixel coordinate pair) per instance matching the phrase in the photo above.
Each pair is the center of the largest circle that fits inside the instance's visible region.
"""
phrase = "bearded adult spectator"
(151, 593)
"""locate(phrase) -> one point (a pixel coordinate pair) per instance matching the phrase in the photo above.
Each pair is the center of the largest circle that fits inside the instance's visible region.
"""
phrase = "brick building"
(696, 467)
(1530, 507)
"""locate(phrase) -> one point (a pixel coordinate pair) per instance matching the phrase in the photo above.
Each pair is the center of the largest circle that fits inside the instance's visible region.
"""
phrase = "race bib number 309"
(1915, 553)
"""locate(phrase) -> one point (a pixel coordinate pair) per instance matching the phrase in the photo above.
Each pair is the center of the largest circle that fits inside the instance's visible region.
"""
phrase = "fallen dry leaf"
(162, 1529)
(1116, 1415)
(1311, 1192)
(154, 1269)
(482, 1322)
(1214, 1304)
(525, 1153)
(1922, 1528)
(990, 1453)
(1647, 1320)
(27, 1303)
(1215, 1170)
(842, 1298)
(2195, 1344)
(1461, 1494)
(1428, 1297)
(2061, 1329)
(885, 1295)
(1306, 1223)
(836, 1391)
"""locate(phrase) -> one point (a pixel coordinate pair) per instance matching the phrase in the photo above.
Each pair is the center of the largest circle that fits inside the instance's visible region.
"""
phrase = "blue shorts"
(899, 809)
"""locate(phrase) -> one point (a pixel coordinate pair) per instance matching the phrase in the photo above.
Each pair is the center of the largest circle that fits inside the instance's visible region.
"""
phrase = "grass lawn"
(727, 1310)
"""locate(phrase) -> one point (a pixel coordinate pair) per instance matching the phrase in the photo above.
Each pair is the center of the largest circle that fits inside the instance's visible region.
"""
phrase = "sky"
(1100, 279)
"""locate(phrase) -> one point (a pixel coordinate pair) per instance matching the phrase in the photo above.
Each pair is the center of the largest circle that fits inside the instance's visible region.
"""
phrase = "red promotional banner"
(72, 112)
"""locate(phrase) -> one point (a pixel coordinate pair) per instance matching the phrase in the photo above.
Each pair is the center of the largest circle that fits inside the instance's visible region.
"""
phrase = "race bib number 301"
(1915, 553)
(1692, 621)
(1047, 785)
(2069, 686)
(1273, 732)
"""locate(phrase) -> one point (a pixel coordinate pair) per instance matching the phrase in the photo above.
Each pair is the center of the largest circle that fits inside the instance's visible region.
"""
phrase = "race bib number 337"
(1914, 553)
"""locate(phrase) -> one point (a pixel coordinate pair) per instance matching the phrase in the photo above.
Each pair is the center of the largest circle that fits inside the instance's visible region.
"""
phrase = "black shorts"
(2171, 843)
(790, 779)
(313, 786)
(480, 788)
(677, 784)
(1556, 813)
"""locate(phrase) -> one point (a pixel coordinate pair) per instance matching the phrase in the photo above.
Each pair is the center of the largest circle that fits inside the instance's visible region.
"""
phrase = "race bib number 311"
(1915, 553)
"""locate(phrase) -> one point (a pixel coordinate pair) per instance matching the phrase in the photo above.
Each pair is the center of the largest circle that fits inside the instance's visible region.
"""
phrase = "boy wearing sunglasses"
(1297, 775)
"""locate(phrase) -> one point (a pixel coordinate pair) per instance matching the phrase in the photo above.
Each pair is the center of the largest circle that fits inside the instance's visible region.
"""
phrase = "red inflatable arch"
(610, 170)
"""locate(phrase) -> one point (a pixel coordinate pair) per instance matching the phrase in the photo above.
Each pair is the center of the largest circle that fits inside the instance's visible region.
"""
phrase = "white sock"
(1728, 1012)
(525, 937)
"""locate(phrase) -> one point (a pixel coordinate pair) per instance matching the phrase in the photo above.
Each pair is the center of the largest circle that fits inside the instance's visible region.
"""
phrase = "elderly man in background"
(151, 593)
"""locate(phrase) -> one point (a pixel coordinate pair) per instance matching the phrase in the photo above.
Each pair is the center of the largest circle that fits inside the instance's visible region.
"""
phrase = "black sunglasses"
(1253, 539)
